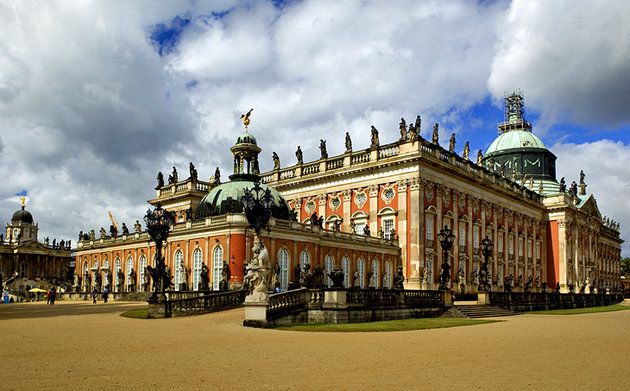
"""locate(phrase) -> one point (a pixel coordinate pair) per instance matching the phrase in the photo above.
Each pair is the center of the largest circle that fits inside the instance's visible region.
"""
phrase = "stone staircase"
(476, 311)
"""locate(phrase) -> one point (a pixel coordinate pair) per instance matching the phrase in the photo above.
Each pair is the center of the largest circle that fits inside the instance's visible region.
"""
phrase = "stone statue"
(137, 228)
(183, 276)
(403, 129)
(131, 280)
(160, 181)
(380, 232)
(318, 277)
(193, 172)
(276, 161)
(435, 138)
(173, 177)
(113, 231)
(258, 273)
(348, 143)
(299, 155)
(582, 176)
(412, 134)
(374, 143)
(86, 278)
(460, 277)
(475, 275)
(77, 282)
(80, 237)
(356, 281)
(125, 230)
(97, 279)
(466, 150)
(451, 143)
(573, 190)
(120, 277)
(479, 157)
(297, 272)
(204, 277)
(322, 149)
(399, 279)
(293, 215)
(92, 235)
(217, 176)
(392, 234)
(353, 228)
(336, 276)
(563, 185)
(226, 274)
(366, 230)
(102, 233)
(337, 226)
(146, 279)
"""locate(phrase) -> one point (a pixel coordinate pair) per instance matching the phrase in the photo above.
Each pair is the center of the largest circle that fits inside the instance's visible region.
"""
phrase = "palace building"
(24, 260)
(211, 231)
(380, 207)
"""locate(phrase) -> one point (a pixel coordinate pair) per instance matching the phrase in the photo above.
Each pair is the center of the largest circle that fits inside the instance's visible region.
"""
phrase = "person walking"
(48, 296)
(94, 295)
(105, 295)
(53, 295)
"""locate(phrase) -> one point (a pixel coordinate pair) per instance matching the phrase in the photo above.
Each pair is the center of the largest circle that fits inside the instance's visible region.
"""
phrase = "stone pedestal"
(255, 314)
(414, 283)
(483, 298)
(335, 299)
(157, 310)
(448, 298)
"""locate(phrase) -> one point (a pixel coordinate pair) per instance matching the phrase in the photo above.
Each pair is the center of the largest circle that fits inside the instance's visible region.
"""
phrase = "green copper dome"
(246, 138)
(226, 198)
(515, 139)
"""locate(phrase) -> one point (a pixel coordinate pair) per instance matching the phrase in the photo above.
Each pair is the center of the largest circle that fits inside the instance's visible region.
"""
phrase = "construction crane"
(113, 220)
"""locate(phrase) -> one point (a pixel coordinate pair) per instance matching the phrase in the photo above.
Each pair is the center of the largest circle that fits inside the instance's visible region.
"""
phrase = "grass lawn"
(575, 311)
(141, 313)
(388, 325)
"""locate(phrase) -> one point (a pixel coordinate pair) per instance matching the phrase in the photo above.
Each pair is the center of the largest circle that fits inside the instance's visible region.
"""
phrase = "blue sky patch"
(166, 36)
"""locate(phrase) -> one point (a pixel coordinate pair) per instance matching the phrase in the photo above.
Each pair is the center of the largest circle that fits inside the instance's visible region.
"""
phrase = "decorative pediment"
(589, 205)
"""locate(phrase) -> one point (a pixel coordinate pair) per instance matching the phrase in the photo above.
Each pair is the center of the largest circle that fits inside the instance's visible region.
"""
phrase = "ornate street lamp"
(446, 239)
(158, 222)
(257, 203)
(486, 250)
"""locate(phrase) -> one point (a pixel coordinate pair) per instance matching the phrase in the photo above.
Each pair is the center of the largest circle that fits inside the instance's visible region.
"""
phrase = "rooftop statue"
(193, 172)
(403, 129)
(418, 125)
(245, 118)
(435, 138)
(160, 181)
(413, 134)
(573, 190)
(479, 157)
(137, 228)
(125, 230)
(217, 176)
(374, 138)
(451, 143)
(563, 185)
(582, 176)
(299, 155)
(466, 150)
(348, 143)
(173, 177)
(322, 149)
(276, 161)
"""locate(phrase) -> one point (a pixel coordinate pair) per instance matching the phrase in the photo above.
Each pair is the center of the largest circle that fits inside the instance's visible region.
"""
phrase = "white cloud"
(572, 59)
(606, 165)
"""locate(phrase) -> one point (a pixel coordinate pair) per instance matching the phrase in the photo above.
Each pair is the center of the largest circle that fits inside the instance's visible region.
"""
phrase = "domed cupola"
(22, 216)
(226, 198)
(518, 153)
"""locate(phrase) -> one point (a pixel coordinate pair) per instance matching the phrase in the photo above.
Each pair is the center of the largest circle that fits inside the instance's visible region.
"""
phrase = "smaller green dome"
(515, 139)
(246, 138)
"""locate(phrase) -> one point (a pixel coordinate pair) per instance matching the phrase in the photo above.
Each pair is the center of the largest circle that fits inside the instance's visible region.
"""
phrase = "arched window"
(328, 264)
(345, 265)
(217, 267)
(141, 269)
(117, 267)
(387, 278)
(196, 269)
(305, 257)
(361, 270)
(129, 268)
(375, 274)
(283, 260)
(179, 256)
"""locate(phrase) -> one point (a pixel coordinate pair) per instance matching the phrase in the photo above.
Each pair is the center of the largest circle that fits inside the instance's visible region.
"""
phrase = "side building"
(211, 231)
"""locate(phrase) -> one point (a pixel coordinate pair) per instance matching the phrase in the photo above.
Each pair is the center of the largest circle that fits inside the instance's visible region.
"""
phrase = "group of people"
(104, 295)
(51, 295)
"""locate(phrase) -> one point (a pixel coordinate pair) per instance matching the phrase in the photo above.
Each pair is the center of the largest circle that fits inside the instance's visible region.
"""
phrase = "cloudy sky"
(96, 97)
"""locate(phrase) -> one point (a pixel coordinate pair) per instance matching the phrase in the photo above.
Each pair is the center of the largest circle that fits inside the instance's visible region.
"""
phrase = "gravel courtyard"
(81, 346)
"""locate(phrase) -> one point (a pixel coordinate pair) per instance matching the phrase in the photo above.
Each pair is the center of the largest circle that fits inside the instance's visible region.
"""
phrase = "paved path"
(81, 346)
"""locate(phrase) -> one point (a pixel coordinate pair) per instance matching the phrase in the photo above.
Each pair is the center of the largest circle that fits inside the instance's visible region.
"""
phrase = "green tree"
(625, 266)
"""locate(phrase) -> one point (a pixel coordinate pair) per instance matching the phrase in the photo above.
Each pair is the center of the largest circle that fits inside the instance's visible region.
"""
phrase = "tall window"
(520, 247)
(217, 267)
(511, 245)
(141, 269)
(387, 277)
(328, 265)
(537, 250)
(375, 275)
(529, 249)
(476, 236)
(361, 270)
(429, 225)
(462, 234)
(129, 268)
(345, 265)
(305, 257)
(179, 256)
(388, 225)
(196, 269)
(359, 226)
(117, 267)
(500, 243)
(106, 274)
(283, 260)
